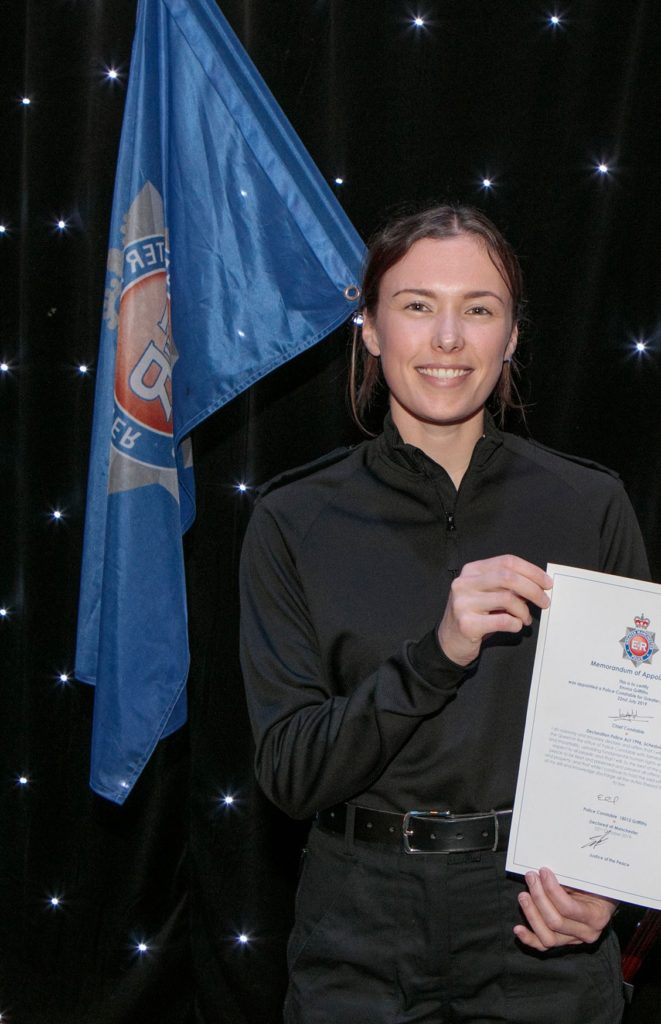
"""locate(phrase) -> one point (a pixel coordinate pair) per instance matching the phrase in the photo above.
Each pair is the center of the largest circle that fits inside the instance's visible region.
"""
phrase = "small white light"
(4, 367)
(3, 229)
(124, 784)
(61, 224)
(641, 346)
(358, 319)
(228, 800)
(554, 19)
(142, 947)
(57, 514)
(602, 168)
(419, 22)
(242, 487)
(55, 901)
(339, 181)
(83, 368)
(64, 677)
(487, 182)
(112, 73)
(23, 780)
(244, 193)
(26, 101)
(241, 334)
(4, 612)
(243, 938)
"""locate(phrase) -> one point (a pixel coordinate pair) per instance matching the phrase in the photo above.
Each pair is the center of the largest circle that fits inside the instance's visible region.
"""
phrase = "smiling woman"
(392, 244)
(390, 605)
(443, 328)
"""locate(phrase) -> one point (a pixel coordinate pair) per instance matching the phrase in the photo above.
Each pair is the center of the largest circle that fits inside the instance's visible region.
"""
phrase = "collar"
(407, 456)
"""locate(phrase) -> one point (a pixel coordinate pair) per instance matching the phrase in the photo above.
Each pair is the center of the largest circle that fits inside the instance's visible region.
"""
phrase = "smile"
(442, 372)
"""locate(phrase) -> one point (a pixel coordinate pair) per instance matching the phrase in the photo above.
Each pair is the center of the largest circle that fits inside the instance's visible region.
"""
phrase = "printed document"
(588, 799)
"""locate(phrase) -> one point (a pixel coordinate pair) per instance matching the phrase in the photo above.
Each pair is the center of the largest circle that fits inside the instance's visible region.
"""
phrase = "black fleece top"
(345, 574)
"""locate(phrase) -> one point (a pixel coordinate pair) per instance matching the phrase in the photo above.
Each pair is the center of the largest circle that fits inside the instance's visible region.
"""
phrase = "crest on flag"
(137, 303)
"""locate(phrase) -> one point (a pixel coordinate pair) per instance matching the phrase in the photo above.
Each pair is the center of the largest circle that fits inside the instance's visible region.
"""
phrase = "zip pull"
(449, 517)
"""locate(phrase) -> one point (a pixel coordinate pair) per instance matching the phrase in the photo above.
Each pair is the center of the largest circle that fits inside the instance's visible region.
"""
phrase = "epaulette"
(300, 472)
(589, 463)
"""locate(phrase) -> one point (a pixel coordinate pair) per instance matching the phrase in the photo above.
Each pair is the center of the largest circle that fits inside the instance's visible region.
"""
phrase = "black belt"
(419, 831)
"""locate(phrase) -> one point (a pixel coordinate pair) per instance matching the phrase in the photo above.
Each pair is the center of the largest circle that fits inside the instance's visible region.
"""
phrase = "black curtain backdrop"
(483, 89)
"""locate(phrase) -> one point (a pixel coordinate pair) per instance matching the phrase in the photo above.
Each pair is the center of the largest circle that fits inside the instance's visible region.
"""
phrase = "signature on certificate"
(597, 840)
(630, 716)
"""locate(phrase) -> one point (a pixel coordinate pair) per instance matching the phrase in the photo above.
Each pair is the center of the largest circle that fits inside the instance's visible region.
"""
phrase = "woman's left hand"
(558, 916)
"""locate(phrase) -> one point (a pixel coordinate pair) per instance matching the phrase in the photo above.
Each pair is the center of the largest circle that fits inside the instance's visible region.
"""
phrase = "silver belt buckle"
(407, 831)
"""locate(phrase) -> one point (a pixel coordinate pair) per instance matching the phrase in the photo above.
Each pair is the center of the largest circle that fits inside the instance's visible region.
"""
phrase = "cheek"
(395, 356)
(501, 347)
(390, 365)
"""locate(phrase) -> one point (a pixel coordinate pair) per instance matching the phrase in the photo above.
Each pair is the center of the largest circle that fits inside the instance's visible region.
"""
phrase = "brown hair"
(386, 248)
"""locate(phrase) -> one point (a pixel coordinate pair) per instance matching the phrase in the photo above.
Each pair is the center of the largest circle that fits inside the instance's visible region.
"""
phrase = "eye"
(479, 311)
(417, 307)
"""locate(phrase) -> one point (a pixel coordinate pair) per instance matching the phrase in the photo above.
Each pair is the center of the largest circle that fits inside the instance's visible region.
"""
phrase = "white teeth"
(443, 373)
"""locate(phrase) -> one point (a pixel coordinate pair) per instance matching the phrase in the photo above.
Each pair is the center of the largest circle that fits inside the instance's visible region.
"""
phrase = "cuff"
(431, 662)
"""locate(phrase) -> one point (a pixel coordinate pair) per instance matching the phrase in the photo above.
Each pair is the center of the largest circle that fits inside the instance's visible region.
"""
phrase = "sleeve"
(622, 548)
(314, 747)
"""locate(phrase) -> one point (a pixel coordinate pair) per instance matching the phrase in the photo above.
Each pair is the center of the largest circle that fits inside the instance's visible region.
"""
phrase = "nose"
(447, 335)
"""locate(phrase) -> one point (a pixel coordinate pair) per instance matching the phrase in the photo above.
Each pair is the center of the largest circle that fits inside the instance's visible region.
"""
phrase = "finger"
(544, 904)
(559, 914)
(514, 564)
(501, 579)
(477, 615)
(589, 909)
(546, 936)
(469, 599)
(528, 938)
(478, 627)
(490, 602)
(560, 897)
(496, 594)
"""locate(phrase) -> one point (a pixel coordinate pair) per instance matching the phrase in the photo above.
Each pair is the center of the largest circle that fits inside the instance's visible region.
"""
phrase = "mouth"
(443, 372)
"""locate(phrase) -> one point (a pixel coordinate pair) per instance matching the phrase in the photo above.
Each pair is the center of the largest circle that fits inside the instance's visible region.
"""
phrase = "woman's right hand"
(491, 596)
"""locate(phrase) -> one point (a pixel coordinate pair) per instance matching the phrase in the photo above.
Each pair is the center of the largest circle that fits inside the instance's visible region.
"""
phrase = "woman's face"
(443, 327)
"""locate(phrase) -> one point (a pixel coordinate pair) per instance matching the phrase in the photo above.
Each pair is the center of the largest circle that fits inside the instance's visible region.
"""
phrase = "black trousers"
(383, 937)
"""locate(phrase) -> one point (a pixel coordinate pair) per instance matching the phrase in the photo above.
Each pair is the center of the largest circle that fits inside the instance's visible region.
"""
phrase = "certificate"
(588, 798)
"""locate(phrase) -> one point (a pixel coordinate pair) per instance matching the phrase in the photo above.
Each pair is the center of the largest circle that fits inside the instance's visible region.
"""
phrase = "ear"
(512, 343)
(369, 335)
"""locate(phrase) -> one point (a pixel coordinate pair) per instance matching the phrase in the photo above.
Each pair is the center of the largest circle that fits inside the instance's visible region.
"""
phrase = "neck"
(449, 444)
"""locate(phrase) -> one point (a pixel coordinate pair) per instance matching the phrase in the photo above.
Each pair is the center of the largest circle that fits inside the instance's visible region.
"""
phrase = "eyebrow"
(431, 295)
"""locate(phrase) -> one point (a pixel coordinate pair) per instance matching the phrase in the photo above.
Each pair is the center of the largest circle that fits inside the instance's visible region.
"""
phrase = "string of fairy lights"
(604, 168)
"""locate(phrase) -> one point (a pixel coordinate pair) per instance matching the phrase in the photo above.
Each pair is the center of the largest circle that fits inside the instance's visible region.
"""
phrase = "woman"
(391, 597)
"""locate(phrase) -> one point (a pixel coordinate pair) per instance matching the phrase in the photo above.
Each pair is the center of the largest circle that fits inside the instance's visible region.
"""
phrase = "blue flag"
(228, 255)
